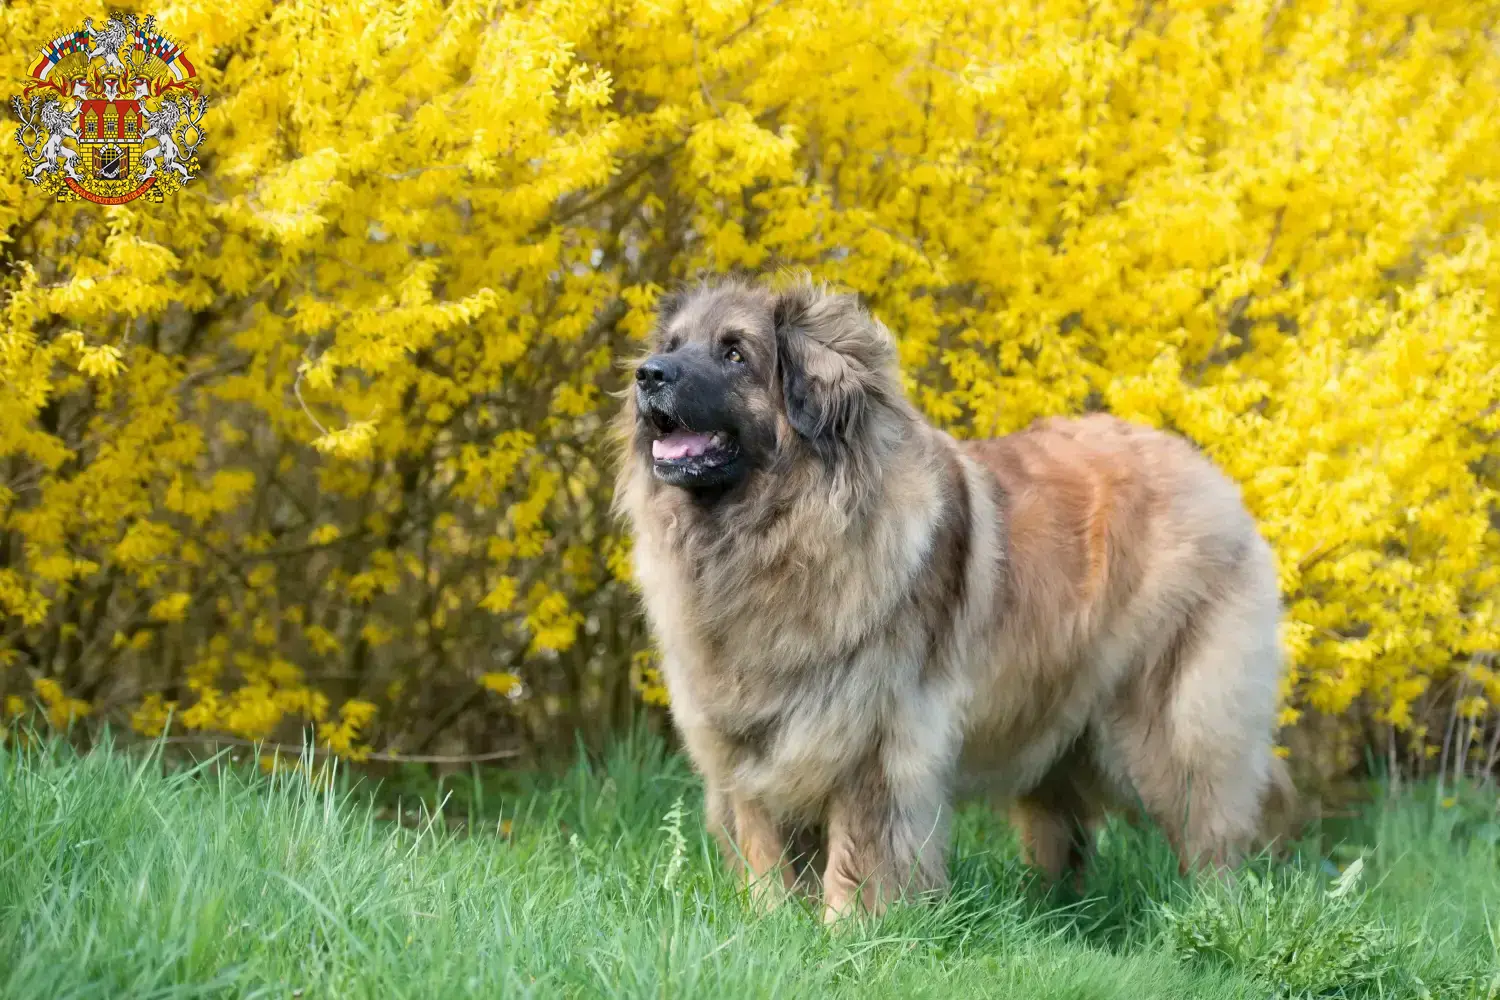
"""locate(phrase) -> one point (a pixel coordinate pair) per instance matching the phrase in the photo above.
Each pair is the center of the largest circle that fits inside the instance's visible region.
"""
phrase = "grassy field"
(120, 877)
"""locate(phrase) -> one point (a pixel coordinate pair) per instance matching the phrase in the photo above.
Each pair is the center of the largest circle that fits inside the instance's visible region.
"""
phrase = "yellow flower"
(150, 717)
(325, 533)
(324, 642)
(501, 683)
(101, 361)
(171, 608)
(352, 442)
(61, 709)
(645, 677)
(501, 596)
(342, 737)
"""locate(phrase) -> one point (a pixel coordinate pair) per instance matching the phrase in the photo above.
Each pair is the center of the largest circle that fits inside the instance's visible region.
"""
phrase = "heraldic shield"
(111, 114)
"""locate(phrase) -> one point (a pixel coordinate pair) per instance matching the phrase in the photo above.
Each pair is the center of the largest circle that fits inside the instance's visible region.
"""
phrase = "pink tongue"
(679, 444)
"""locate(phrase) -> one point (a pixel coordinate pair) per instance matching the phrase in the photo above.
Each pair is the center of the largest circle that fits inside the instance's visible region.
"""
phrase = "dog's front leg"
(719, 817)
(760, 850)
(884, 842)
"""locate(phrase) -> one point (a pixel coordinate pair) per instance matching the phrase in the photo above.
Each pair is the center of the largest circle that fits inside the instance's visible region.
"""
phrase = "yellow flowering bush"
(320, 440)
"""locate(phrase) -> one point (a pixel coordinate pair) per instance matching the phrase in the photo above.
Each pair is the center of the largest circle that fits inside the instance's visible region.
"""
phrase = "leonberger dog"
(861, 617)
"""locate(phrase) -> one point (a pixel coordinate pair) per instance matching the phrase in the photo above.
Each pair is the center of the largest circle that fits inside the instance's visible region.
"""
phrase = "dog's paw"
(842, 913)
(769, 893)
(840, 922)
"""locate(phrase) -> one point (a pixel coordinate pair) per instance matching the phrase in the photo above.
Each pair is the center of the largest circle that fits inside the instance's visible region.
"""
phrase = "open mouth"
(688, 451)
(695, 460)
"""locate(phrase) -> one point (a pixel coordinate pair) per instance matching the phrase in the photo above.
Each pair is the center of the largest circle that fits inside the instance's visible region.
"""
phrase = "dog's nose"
(656, 372)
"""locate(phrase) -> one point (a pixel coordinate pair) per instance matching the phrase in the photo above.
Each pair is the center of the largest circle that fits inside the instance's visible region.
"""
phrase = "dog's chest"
(791, 738)
(789, 672)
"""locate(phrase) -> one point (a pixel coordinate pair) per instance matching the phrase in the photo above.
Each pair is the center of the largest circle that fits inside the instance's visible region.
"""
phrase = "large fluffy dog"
(860, 616)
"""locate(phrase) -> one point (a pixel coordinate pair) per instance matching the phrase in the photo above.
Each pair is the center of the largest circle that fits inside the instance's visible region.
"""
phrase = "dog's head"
(743, 378)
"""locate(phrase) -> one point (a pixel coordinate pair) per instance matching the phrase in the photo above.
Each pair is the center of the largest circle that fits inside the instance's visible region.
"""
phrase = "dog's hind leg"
(1194, 731)
(1057, 821)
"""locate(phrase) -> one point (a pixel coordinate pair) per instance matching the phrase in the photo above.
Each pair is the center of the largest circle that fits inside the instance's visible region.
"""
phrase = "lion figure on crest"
(46, 118)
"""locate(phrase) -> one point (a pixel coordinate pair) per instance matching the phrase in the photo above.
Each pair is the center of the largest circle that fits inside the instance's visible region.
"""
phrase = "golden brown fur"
(877, 617)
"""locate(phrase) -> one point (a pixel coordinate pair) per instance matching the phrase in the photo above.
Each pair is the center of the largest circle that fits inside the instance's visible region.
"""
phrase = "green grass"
(121, 877)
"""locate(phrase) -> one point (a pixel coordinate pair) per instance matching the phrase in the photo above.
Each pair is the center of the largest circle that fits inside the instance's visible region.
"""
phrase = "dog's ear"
(835, 361)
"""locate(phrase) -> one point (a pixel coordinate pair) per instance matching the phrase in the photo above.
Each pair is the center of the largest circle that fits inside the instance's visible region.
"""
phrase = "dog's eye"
(733, 356)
